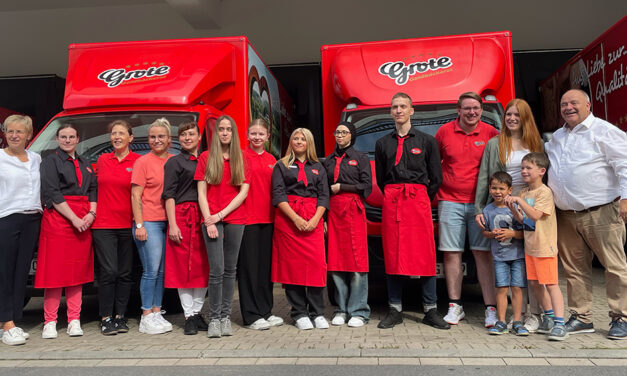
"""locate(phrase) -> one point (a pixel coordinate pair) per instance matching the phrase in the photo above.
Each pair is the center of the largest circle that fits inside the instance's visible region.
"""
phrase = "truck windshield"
(94, 137)
(373, 124)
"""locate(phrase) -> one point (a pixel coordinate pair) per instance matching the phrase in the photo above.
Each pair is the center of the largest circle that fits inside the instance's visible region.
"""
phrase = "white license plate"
(439, 269)
(33, 267)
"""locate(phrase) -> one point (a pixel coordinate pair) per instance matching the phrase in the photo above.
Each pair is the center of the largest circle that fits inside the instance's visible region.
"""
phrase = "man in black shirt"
(409, 173)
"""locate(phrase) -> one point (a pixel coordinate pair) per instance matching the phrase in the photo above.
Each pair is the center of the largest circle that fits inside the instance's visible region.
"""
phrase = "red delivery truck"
(359, 80)
(181, 80)
(600, 69)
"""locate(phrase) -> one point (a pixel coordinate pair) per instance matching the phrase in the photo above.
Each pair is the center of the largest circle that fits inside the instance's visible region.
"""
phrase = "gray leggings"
(222, 253)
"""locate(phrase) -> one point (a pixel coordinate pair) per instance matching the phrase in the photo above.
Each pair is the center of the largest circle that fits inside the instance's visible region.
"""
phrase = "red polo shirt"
(114, 191)
(461, 154)
(258, 203)
(220, 195)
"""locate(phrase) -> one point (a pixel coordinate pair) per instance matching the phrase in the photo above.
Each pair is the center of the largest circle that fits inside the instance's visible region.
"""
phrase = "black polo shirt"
(285, 182)
(178, 178)
(58, 178)
(355, 171)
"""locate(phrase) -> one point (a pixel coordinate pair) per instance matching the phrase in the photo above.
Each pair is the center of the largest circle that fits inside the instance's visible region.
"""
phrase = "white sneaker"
(455, 314)
(490, 317)
(275, 320)
(260, 324)
(532, 322)
(356, 322)
(22, 332)
(149, 325)
(50, 330)
(164, 323)
(321, 323)
(13, 337)
(74, 329)
(304, 323)
(339, 319)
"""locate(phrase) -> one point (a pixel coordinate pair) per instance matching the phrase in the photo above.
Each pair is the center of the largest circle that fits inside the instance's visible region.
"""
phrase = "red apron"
(186, 264)
(65, 256)
(407, 230)
(347, 232)
(298, 256)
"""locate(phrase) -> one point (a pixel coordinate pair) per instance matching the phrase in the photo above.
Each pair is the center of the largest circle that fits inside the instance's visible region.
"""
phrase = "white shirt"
(19, 184)
(588, 164)
(512, 167)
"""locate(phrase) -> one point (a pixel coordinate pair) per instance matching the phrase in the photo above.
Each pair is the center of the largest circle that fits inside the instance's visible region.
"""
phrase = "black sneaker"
(618, 329)
(434, 319)
(121, 324)
(190, 326)
(576, 326)
(391, 319)
(201, 324)
(107, 327)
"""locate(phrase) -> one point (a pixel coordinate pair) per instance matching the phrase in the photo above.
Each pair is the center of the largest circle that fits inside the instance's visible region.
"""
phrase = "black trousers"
(305, 301)
(114, 255)
(20, 235)
(254, 271)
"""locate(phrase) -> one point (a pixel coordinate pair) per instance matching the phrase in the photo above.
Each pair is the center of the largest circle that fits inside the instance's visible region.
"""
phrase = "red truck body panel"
(436, 69)
(600, 69)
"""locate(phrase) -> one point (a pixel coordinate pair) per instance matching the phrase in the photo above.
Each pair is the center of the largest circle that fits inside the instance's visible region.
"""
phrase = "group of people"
(198, 220)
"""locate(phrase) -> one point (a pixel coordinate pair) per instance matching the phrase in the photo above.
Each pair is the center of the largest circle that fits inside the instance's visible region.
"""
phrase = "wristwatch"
(139, 225)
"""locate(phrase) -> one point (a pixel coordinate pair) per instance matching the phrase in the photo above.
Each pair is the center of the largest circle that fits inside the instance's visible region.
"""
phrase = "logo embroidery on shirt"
(314, 171)
(129, 169)
(89, 169)
(352, 162)
(416, 151)
(271, 166)
(479, 143)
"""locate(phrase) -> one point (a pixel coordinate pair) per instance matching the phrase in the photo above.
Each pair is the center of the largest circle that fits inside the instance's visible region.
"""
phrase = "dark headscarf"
(352, 130)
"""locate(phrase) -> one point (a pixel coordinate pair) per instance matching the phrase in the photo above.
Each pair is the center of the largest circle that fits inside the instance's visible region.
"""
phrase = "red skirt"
(347, 233)
(298, 256)
(407, 230)
(65, 256)
(186, 264)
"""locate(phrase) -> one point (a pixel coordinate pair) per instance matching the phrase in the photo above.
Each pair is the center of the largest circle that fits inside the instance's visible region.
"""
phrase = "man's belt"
(592, 208)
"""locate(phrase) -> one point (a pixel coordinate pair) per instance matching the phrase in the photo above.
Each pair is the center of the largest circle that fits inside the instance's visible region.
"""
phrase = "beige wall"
(35, 34)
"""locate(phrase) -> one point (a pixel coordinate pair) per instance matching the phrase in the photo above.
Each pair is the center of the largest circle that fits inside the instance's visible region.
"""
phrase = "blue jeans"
(152, 255)
(353, 300)
(395, 290)
(455, 220)
(510, 273)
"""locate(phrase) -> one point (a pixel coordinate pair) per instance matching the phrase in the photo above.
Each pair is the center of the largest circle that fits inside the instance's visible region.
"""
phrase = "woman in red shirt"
(222, 188)
(255, 255)
(65, 258)
(113, 239)
(300, 192)
(186, 266)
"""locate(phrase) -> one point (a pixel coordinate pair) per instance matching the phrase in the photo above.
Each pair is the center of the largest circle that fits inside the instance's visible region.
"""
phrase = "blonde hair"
(215, 161)
(530, 137)
(26, 121)
(310, 154)
(162, 122)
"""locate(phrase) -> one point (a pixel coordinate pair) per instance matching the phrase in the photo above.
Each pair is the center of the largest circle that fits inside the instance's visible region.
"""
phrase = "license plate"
(439, 269)
(33, 267)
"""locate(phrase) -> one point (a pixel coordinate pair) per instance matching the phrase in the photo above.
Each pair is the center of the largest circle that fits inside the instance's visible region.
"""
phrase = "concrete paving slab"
(610, 362)
(526, 361)
(197, 362)
(483, 361)
(358, 361)
(276, 361)
(441, 361)
(236, 361)
(569, 362)
(118, 362)
(317, 361)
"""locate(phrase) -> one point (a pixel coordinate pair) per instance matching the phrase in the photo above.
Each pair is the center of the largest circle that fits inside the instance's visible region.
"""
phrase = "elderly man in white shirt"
(588, 176)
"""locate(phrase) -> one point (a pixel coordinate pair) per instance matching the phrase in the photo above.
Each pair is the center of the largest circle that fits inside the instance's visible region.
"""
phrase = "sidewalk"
(409, 343)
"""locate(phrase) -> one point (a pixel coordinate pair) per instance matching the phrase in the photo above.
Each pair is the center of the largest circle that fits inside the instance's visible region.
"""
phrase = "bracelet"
(93, 213)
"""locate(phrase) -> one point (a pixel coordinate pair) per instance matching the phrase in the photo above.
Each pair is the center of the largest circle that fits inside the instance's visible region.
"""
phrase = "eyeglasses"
(468, 109)
(341, 133)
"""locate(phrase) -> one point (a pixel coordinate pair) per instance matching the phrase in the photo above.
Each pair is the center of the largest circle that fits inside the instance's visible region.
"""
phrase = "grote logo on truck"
(400, 72)
(114, 77)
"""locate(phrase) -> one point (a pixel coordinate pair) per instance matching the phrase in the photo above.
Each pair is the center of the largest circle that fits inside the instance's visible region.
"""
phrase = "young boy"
(507, 252)
(536, 211)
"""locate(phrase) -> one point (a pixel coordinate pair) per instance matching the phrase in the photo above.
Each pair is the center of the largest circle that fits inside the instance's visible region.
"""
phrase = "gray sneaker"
(558, 333)
(214, 331)
(225, 326)
(546, 326)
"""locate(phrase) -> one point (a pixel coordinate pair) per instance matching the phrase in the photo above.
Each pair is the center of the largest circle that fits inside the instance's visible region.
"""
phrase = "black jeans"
(395, 289)
(20, 235)
(253, 273)
(305, 301)
(114, 254)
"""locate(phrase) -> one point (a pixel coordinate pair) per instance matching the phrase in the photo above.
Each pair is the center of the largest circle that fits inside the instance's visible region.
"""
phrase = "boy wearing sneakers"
(536, 211)
(507, 252)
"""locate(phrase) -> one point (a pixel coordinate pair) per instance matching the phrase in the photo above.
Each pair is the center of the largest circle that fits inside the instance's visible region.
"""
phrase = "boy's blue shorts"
(510, 273)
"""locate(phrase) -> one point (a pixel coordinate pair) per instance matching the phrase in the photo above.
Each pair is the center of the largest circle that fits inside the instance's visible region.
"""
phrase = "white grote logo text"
(400, 72)
(114, 77)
